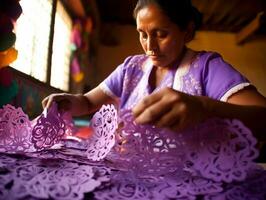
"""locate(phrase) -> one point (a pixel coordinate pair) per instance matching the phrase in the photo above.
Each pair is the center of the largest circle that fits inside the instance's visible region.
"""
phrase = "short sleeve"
(221, 80)
(113, 84)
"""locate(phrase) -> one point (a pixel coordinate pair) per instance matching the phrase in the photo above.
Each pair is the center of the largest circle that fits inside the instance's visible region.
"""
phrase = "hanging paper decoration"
(10, 10)
(7, 57)
(89, 25)
(77, 74)
(76, 35)
(80, 48)
(7, 40)
(6, 24)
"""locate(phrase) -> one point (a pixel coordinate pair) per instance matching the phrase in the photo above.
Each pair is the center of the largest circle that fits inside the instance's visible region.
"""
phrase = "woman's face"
(160, 35)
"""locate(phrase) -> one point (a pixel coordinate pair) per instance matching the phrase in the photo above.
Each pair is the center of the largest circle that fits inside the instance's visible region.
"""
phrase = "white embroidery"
(183, 69)
(233, 90)
(192, 85)
(107, 91)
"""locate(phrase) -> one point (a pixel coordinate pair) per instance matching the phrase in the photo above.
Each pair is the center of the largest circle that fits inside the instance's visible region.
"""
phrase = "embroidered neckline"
(189, 59)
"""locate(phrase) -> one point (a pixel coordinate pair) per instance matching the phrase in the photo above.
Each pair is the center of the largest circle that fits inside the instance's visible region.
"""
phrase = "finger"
(168, 119)
(48, 101)
(64, 105)
(153, 113)
(175, 119)
(145, 103)
(44, 102)
(178, 126)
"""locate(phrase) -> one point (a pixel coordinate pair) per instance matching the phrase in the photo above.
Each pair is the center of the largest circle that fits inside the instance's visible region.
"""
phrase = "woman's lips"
(155, 57)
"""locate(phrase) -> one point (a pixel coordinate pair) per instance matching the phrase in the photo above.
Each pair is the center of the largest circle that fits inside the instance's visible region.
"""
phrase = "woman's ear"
(190, 32)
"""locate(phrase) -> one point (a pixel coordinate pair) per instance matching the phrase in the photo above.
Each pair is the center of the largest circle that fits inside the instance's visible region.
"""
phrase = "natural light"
(33, 38)
(33, 31)
(61, 49)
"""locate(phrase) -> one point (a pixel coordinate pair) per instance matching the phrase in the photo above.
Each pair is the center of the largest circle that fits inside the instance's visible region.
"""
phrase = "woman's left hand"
(170, 109)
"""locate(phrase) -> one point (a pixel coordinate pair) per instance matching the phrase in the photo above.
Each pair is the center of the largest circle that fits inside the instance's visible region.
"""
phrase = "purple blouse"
(207, 75)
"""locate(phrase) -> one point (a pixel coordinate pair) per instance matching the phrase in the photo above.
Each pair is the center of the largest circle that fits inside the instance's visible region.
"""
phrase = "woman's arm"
(79, 104)
(175, 110)
(247, 105)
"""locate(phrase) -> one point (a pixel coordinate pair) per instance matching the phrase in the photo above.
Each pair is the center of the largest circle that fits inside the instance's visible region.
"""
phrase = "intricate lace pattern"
(123, 160)
(226, 156)
(48, 130)
(15, 130)
(104, 124)
(221, 150)
(48, 178)
(180, 185)
(254, 187)
(19, 134)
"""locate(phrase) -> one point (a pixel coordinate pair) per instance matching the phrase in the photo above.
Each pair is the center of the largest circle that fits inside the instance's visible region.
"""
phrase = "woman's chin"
(158, 62)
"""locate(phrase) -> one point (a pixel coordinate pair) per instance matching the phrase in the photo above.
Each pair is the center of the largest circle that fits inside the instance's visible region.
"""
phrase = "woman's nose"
(151, 44)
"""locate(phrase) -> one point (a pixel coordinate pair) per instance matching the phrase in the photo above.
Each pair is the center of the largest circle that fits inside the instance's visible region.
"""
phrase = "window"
(60, 70)
(33, 30)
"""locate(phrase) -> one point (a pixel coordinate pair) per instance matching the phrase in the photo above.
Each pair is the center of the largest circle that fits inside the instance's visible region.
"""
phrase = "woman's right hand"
(76, 104)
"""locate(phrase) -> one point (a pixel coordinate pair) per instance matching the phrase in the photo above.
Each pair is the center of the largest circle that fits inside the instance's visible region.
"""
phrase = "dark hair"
(181, 12)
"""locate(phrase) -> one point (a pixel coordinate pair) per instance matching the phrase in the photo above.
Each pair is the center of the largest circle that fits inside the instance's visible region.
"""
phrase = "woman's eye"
(143, 36)
(162, 34)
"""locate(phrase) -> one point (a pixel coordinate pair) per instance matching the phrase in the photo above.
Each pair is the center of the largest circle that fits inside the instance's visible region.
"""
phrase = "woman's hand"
(76, 104)
(170, 109)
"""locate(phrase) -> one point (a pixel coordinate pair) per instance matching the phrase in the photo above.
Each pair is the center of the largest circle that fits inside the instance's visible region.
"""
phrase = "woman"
(172, 86)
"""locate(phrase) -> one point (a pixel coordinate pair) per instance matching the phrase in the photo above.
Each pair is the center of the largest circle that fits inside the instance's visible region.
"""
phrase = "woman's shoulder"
(206, 59)
(209, 56)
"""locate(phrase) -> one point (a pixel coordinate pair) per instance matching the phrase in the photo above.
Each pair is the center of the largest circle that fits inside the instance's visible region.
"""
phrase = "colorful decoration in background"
(10, 10)
(80, 48)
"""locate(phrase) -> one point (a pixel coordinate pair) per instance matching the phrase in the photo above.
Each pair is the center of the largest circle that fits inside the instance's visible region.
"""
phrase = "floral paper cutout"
(48, 178)
(15, 129)
(218, 149)
(19, 134)
(48, 130)
(227, 157)
(104, 124)
(146, 162)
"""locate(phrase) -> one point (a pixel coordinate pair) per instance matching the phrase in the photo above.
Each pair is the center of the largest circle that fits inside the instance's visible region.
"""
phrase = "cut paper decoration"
(181, 185)
(6, 24)
(104, 125)
(19, 134)
(48, 130)
(44, 178)
(7, 57)
(89, 25)
(227, 157)
(11, 8)
(7, 40)
(77, 74)
(50, 174)
(217, 150)
(15, 130)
